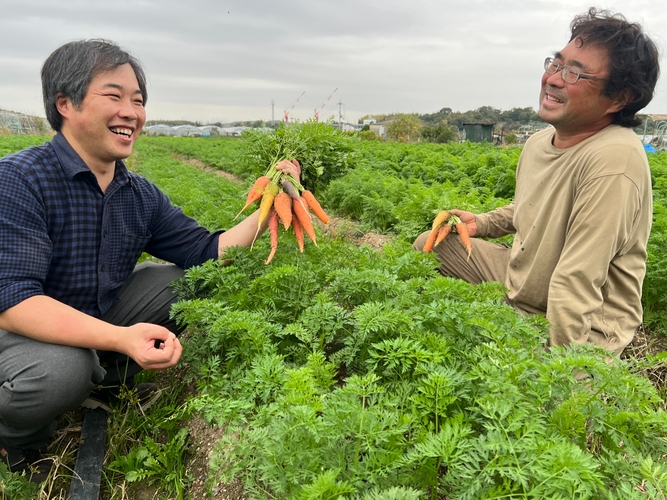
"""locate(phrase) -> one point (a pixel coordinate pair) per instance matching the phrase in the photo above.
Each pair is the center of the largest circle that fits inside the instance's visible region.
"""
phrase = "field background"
(354, 370)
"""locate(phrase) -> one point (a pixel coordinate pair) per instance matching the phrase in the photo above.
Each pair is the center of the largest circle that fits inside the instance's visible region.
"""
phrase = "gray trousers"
(41, 381)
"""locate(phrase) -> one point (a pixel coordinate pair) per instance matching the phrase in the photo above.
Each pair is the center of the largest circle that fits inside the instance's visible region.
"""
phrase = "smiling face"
(104, 127)
(578, 110)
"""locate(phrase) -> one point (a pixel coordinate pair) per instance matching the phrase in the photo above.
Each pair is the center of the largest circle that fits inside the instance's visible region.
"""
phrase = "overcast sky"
(227, 60)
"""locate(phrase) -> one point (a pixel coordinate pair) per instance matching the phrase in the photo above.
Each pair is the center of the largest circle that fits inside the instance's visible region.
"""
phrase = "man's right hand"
(469, 219)
(140, 343)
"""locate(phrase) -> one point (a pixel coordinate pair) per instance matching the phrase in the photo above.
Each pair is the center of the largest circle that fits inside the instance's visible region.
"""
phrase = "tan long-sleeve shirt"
(582, 218)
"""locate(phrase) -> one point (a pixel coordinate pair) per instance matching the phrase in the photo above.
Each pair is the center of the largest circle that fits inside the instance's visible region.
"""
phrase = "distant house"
(380, 128)
(478, 131)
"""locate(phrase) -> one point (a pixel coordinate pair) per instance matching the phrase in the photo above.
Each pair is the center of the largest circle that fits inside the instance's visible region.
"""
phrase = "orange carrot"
(282, 203)
(255, 192)
(442, 234)
(428, 246)
(462, 229)
(315, 206)
(300, 207)
(442, 216)
(298, 232)
(273, 231)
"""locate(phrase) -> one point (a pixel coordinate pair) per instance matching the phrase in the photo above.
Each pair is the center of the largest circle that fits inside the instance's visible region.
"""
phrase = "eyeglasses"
(570, 74)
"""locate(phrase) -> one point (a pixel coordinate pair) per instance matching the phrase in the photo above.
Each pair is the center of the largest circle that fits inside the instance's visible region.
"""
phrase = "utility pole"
(273, 103)
(340, 113)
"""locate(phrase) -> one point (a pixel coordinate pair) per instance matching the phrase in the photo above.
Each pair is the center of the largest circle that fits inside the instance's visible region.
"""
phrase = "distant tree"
(404, 128)
(440, 133)
(511, 138)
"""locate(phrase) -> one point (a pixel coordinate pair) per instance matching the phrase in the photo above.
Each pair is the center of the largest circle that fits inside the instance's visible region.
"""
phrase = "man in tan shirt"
(583, 205)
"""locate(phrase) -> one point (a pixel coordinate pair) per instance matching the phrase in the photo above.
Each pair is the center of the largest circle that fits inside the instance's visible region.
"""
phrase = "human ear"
(63, 104)
(621, 100)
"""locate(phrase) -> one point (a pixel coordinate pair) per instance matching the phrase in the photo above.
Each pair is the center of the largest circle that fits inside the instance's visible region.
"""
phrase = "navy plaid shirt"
(61, 236)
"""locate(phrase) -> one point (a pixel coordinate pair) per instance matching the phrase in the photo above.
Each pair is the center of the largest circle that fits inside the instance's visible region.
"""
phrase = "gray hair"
(71, 67)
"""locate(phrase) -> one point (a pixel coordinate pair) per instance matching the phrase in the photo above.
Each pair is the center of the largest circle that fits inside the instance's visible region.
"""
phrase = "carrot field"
(351, 372)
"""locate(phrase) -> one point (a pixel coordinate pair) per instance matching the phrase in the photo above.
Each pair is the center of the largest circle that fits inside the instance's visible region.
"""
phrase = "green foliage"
(324, 153)
(390, 376)
(148, 446)
(156, 462)
(15, 486)
(345, 372)
(404, 128)
(13, 143)
(511, 138)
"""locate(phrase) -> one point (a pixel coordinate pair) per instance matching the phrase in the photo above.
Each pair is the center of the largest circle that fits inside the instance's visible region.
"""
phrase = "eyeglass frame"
(565, 70)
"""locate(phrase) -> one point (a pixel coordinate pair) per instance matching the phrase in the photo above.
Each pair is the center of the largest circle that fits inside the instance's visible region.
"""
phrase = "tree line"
(444, 125)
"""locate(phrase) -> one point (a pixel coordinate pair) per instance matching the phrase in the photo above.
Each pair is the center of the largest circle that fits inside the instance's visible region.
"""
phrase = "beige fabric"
(582, 218)
(487, 262)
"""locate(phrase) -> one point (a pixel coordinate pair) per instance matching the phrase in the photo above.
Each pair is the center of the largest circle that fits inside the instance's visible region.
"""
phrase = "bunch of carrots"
(443, 224)
(284, 199)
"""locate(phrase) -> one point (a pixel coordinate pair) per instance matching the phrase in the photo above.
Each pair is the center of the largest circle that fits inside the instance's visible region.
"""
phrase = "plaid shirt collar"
(72, 164)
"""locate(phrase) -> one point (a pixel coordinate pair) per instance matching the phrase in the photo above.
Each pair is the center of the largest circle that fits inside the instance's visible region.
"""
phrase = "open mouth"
(551, 98)
(124, 132)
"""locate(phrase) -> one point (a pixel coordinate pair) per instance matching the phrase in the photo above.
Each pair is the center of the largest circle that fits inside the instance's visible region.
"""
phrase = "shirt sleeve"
(178, 238)
(25, 246)
(497, 223)
(601, 224)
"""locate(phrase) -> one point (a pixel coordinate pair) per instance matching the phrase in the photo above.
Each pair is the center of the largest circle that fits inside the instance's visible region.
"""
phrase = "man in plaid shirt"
(75, 312)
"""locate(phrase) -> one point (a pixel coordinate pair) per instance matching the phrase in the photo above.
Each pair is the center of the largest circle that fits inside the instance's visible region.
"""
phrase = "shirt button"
(104, 234)
(102, 268)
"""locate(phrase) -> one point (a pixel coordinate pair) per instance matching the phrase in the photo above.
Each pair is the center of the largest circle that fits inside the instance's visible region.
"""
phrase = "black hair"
(633, 58)
(70, 69)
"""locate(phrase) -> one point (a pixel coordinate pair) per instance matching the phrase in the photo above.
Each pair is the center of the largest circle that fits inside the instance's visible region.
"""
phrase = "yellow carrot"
(442, 216)
(269, 194)
(265, 205)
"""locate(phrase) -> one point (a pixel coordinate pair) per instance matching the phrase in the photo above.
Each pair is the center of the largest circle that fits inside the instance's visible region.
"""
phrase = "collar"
(72, 164)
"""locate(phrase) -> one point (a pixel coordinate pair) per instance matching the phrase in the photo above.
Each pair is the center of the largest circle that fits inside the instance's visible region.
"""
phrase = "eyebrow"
(559, 55)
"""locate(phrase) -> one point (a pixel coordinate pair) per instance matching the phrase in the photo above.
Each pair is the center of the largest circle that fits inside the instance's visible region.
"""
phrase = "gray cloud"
(211, 60)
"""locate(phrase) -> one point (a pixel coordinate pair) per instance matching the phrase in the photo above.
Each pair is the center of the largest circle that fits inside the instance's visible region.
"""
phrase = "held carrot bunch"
(284, 199)
(443, 224)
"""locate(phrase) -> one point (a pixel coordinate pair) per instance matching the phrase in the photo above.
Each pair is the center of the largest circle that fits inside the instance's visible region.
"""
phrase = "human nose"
(555, 79)
(128, 110)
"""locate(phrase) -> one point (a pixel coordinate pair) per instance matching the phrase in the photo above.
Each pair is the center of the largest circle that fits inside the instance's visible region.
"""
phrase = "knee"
(420, 241)
(49, 385)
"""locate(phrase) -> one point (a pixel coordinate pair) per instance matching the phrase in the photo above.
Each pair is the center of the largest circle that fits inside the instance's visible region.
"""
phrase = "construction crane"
(288, 111)
(317, 110)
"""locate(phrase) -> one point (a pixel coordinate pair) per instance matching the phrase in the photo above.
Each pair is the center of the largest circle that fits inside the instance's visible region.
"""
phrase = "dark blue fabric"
(61, 236)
